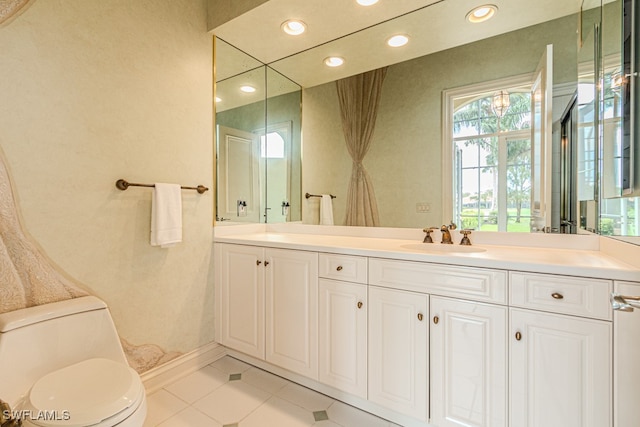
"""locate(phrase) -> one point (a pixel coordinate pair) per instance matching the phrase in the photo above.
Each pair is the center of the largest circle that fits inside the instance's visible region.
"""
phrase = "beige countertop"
(564, 261)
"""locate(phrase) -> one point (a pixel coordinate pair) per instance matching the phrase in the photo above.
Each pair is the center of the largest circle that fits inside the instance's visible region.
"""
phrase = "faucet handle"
(465, 239)
(452, 226)
(428, 238)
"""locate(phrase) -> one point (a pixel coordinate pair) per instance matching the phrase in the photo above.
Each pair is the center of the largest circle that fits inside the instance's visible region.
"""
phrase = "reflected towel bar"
(307, 195)
(123, 185)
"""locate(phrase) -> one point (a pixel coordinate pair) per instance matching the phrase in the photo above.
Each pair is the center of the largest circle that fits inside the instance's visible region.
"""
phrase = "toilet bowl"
(74, 372)
(94, 392)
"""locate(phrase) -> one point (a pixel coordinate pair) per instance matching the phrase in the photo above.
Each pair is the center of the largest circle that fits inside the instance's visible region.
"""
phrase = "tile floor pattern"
(230, 393)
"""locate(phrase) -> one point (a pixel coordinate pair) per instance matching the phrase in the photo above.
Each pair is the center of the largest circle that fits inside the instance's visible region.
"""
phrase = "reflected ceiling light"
(333, 61)
(218, 99)
(366, 2)
(248, 89)
(500, 103)
(294, 27)
(398, 40)
(482, 13)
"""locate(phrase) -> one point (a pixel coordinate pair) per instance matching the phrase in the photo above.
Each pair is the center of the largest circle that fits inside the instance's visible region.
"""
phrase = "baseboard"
(158, 377)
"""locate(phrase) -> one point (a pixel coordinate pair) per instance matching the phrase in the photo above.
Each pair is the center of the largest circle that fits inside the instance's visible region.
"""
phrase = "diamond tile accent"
(320, 415)
(231, 393)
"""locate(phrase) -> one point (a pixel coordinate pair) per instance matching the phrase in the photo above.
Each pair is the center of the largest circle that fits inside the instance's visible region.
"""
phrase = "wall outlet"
(423, 207)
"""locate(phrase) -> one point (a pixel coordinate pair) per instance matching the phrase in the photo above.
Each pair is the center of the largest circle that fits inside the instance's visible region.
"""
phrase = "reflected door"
(541, 127)
(238, 177)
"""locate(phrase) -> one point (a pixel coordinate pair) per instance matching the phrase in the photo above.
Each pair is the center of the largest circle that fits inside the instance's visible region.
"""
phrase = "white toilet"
(62, 364)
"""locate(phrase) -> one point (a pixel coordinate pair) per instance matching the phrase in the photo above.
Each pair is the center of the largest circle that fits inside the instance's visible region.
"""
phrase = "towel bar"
(307, 195)
(123, 185)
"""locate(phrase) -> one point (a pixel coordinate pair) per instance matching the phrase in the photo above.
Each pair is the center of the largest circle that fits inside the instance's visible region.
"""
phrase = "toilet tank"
(37, 340)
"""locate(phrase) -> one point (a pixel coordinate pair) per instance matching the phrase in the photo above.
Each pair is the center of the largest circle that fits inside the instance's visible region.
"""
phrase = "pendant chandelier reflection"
(500, 103)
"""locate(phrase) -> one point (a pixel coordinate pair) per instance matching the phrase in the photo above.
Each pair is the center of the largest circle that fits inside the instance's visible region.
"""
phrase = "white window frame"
(448, 145)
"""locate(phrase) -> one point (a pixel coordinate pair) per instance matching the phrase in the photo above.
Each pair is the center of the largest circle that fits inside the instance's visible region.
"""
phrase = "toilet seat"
(94, 392)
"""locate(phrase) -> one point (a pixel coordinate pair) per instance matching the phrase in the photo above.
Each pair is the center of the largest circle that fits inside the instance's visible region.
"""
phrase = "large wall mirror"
(405, 160)
(258, 121)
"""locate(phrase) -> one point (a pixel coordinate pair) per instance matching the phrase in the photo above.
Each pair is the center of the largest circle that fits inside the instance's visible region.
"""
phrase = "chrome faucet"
(446, 235)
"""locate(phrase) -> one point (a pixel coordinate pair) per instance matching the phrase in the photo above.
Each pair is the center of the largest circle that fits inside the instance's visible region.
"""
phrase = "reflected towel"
(326, 210)
(166, 215)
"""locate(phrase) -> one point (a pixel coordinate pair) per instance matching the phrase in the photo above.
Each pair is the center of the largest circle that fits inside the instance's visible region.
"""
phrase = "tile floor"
(230, 393)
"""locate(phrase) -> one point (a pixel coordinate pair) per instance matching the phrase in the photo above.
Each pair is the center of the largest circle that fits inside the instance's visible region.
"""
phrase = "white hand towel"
(326, 210)
(166, 215)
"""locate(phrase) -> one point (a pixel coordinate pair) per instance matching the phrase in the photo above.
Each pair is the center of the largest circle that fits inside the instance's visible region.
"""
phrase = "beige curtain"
(359, 98)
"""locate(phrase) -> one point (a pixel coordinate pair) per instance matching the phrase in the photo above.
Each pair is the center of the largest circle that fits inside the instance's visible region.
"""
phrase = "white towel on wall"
(326, 210)
(166, 215)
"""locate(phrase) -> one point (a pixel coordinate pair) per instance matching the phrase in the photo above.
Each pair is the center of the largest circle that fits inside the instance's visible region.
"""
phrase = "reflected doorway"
(569, 139)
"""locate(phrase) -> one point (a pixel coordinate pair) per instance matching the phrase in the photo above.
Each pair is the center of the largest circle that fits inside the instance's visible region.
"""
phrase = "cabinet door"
(468, 357)
(343, 336)
(292, 310)
(626, 359)
(560, 370)
(398, 341)
(242, 294)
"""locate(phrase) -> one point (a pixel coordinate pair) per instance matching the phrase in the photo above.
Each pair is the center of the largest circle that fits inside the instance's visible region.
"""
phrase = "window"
(272, 146)
(490, 157)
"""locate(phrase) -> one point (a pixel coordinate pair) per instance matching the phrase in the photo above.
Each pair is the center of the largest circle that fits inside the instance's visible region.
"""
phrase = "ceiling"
(358, 34)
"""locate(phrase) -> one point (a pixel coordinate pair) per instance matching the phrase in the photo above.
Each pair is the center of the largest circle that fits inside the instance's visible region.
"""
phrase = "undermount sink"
(440, 248)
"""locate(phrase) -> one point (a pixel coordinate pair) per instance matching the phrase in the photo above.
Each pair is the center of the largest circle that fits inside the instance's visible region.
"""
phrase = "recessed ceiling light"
(294, 27)
(398, 40)
(366, 2)
(333, 61)
(248, 89)
(482, 13)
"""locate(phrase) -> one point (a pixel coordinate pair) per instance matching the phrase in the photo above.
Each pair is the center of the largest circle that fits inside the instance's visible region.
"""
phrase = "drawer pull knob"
(420, 317)
(556, 295)
(518, 336)
(359, 304)
(266, 263)
(436, 319)
(258, 262)
(339, 268)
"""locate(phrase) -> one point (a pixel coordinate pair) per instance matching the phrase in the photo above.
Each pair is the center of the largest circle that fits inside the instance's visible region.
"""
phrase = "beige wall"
(405, 158)
(93, 91)
(222, 11)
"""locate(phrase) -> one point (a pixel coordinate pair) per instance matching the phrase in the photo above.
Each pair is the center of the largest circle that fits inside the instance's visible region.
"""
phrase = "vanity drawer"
(343, 267)
(561, 294)
(479, 284)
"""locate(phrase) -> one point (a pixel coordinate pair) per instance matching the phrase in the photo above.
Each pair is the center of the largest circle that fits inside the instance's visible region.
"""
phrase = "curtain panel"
(359, 98)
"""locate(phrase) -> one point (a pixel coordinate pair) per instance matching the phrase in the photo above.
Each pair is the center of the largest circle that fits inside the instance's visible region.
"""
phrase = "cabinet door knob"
(339, 268)
(436, 319)
(258, 262)
(266, 263)
(420, 317)
(518, 336)
(556, 295)
(359, 304)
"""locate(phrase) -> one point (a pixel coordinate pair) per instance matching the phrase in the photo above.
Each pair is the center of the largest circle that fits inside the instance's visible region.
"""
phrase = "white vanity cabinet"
(342, 323)
(468, 363)
(240, 272)
(398, 351)
(269, 302)
(428, 344)
(342, 326)
(560, 365)
(467, 352)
